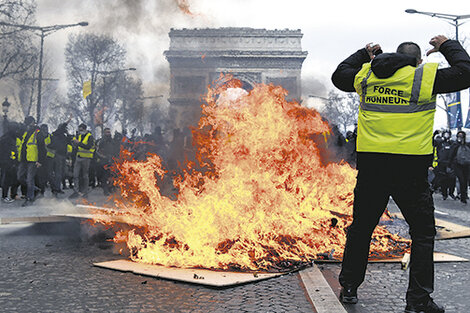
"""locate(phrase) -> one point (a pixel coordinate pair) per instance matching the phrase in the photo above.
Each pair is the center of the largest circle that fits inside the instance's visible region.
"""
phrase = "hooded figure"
(394, 151)
(460, 160)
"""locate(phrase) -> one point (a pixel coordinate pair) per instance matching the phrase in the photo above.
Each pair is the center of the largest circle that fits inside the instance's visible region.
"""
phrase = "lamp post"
(449, 17)
(42, 32)
(452, 19)
(5, 107)
(106, 73)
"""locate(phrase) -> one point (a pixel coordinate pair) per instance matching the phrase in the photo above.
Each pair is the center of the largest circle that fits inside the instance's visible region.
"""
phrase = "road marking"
(439, 212)
(320, 292)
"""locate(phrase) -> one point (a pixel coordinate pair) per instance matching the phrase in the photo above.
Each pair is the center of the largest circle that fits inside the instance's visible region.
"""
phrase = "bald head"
(411, 49)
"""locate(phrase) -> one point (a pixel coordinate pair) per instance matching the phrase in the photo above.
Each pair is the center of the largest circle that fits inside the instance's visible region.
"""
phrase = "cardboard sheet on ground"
(439, 257)
(446, 230)
(195, 276)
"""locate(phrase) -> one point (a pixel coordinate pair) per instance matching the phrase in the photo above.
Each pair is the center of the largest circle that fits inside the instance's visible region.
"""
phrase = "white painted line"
(320, 292)
(442, 213)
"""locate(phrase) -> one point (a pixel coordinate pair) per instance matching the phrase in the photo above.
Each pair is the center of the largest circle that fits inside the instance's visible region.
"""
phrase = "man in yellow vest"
(394, 150)
(31, 156)
(85, 145)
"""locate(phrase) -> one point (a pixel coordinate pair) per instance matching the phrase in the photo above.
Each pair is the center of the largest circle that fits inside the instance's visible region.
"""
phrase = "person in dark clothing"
(44, 173)
(8, 163)
(460, 161)
(105, 152)
(59, 142)
(350, 147)
(394, 152)
(444, 171)
(32, 155)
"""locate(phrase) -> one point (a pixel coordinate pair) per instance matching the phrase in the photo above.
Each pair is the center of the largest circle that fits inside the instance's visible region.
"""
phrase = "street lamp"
(105, 73)
(5, 106)
(455, 22)
(42, 33)
(448, 17)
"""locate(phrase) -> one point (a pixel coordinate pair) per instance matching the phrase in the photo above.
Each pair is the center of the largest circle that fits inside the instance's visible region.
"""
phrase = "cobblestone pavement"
(48, 268)
(385, 285)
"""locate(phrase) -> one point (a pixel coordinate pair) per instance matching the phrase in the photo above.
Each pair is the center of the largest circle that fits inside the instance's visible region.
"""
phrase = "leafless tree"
(131, 110)
(17, 51)
(341, 109)
(88, 56)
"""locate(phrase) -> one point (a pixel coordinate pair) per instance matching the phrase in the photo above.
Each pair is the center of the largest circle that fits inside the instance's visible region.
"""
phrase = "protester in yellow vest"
(85, 144)
(31, 156)
(394, 151)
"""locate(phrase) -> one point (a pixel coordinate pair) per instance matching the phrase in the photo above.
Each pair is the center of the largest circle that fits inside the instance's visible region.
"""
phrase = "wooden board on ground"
(194, 276)
(445, 229)
(320, 292)
(439, 257)
(33, 219)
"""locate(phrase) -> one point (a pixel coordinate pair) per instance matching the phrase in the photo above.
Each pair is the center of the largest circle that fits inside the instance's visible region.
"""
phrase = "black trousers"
(463, 174)
(403, 177)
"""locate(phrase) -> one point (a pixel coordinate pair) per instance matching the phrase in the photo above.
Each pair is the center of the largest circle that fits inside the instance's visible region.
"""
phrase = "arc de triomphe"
(198, 56)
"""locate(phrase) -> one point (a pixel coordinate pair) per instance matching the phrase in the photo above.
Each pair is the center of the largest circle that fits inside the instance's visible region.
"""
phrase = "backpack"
(463, 155)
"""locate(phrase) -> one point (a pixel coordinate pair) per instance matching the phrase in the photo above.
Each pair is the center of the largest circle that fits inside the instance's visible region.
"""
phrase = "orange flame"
(261, 198)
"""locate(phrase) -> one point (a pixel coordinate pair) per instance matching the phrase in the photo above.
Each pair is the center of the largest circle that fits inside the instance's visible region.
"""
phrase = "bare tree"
(88, 56)
(131, 110)
(342, 109)
(17, 51)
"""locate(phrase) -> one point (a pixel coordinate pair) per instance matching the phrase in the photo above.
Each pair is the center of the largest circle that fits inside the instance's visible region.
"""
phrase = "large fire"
(260, 199)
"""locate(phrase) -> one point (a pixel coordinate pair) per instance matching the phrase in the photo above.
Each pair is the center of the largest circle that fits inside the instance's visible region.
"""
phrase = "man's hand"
(38, 164)
(372, 49)
(436, 42)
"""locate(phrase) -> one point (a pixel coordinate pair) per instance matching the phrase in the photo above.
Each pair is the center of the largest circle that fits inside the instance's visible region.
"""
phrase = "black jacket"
(450, 79)
(59, 142)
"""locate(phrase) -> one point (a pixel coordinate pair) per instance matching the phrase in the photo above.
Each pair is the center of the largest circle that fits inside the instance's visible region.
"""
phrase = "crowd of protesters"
(32, 160)
(450, 172)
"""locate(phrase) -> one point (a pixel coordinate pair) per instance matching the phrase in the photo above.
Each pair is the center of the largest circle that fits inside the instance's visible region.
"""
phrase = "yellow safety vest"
(435, 158)
(82, 152)
(32, 154)
(396, 114)
(47, 142)
(18, 147)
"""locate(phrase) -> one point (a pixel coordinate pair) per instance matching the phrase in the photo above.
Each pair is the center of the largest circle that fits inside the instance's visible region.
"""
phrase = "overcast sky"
(332, 29)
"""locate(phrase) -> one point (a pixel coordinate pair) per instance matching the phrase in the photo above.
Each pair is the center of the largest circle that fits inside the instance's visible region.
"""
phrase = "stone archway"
(198, 56)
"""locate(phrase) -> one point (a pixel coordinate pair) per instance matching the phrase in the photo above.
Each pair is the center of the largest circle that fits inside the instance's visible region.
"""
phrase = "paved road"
(48, 268)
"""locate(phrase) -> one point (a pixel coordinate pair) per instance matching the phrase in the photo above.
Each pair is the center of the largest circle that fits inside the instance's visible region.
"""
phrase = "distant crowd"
(33, 160)
(450, 172)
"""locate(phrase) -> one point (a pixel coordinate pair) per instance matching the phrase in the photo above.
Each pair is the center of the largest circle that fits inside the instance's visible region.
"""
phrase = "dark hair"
(28, 120)
(411, 49)
(82, 126)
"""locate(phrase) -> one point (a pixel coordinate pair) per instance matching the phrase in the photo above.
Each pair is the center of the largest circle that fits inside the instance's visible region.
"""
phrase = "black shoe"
(453, 197)
(348, 295)
(444, 197)
(430, 307)
(27, 203)
(464, 201)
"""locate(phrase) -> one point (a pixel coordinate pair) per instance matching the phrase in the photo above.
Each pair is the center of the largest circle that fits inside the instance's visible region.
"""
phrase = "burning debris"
(258, 197)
